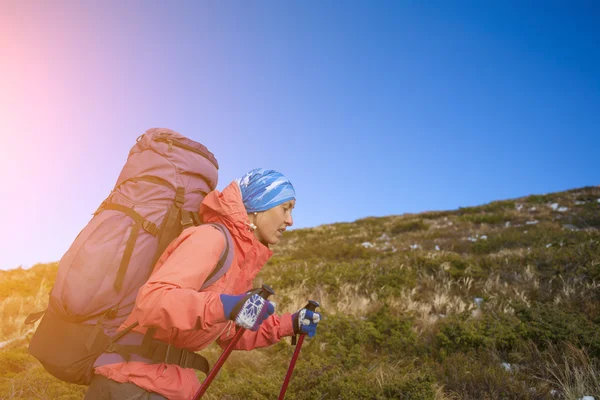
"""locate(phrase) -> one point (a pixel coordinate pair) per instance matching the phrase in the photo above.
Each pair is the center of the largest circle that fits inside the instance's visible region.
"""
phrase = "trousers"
(103, 388)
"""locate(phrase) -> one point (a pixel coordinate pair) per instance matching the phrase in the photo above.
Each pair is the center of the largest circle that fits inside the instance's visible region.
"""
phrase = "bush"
(410, 388)
(332, 250)
(489, 219)
(548, 323)
(493, 207)
(539, 199)
(395, 336)
(477, 375)
(490, 331)
(348, 339)
(15, 361)
(408, 226)
(388, 279)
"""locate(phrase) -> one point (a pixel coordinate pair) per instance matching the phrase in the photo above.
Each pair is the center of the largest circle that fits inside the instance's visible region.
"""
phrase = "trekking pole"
(264, 292)
(312, 306)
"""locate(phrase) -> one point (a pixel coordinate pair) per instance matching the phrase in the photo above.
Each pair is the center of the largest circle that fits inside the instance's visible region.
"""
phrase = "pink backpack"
(157, 196)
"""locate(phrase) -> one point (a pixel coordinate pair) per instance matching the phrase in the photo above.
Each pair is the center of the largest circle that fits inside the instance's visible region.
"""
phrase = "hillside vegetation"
(500, 301)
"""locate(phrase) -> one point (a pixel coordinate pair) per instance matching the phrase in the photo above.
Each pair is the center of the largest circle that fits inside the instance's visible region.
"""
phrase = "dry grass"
(14, 309)
(572, 371)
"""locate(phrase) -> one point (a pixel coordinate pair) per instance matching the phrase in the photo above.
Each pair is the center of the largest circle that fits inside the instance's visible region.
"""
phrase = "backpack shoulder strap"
(158, 351)
(226, 258)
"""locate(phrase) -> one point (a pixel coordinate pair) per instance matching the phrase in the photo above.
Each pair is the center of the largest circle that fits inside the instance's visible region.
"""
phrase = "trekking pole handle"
(265, 291)
(312, 305)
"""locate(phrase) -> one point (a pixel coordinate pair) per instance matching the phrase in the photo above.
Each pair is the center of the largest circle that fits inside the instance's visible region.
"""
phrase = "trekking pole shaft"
(265, 292)
(288, 375)
(213, 372)
(312, 306)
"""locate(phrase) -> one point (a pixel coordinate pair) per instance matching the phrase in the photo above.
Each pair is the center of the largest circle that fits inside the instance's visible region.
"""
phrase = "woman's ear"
(252, 217)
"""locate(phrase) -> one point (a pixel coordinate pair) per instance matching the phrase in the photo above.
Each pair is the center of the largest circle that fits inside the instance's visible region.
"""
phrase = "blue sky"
(370, 108)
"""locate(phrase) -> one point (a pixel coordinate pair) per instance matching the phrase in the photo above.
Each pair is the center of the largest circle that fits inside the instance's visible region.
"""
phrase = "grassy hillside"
(500, 301)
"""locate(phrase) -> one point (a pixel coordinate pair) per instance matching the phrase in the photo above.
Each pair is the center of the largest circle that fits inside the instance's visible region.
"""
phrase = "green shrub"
(490, 331)
(453, 264)
(476, 375)
(349, 339)
(587, 216)
(539, 199)
(547, 323)
(489, 219)
(408, 226)
(14, 361)
(493, 207)
(410, 388)
(332, 250)
(388, 279)
(395, 335)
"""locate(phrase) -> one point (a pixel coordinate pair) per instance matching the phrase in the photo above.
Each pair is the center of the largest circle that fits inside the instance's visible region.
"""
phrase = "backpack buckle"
(150, 227)
(167, 353)
(186, 219)
(183, 358)
(180, 197)
(112, 348)
(111, 313)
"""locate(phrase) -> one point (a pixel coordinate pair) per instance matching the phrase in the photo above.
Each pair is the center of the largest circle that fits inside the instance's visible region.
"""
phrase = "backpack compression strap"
(140, 223)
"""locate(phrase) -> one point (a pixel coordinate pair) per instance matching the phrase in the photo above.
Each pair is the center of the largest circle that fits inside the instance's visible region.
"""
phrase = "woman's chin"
(275, 238)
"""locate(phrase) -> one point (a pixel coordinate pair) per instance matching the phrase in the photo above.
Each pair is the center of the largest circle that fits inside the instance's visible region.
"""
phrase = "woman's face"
(271, 224)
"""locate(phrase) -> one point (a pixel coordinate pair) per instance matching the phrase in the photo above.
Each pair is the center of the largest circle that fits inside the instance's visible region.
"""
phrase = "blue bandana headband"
(263, 189)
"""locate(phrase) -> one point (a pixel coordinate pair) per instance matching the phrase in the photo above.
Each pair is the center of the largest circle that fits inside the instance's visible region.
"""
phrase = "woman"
(256, 209)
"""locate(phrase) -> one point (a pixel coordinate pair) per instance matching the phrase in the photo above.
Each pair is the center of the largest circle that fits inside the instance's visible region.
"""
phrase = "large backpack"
(156, 197)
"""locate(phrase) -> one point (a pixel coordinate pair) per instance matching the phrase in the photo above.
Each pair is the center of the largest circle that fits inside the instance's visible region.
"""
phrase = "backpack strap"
(176, 220)
(226, 258)
(156, 351)
(139, 223)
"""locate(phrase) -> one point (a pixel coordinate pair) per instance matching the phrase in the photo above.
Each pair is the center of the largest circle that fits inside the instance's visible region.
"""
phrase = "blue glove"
(306, 321)
(247, 310)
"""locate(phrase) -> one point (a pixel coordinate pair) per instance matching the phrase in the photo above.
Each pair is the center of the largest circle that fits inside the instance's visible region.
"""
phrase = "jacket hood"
(227, 208)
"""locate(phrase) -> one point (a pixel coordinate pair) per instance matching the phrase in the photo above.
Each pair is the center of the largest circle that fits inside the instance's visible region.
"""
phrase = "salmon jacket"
(185, 316)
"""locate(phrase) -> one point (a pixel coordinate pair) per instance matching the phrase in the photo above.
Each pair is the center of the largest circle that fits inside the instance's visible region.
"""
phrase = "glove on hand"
(306, 321)
(247, 310)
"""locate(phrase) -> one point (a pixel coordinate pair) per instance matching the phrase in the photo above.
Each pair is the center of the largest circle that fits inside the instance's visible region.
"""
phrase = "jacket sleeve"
(271, 331)
(170, 298)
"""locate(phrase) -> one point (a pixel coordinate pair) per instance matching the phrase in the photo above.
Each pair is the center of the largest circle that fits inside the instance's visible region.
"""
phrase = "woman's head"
(269, 198)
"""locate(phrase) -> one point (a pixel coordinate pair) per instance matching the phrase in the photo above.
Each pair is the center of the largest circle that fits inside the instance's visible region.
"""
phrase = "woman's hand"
(247, 310)
(306, 321)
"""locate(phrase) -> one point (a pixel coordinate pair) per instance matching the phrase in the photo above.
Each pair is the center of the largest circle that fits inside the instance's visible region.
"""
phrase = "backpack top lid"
(144, 140)
(180, 159)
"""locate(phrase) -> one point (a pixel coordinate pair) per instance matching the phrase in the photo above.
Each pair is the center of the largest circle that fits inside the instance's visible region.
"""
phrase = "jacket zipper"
(177, 143)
